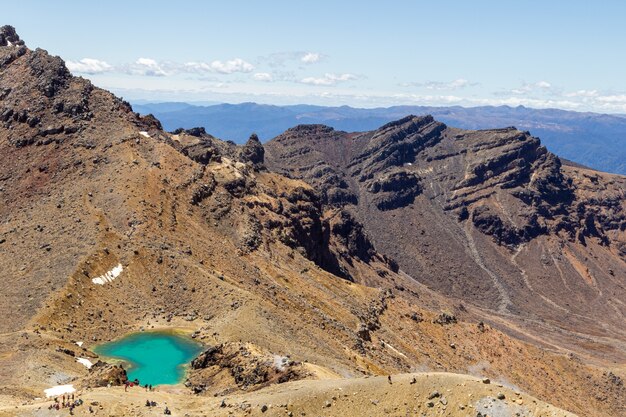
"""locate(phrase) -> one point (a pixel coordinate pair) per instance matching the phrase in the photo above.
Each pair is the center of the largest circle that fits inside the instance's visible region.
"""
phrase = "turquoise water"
(155, 358)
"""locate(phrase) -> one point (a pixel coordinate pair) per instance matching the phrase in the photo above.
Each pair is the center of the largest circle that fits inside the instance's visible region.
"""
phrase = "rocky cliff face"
(490, 217)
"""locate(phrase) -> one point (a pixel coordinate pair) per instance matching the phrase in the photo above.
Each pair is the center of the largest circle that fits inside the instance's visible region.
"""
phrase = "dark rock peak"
(41, 103)
(253, 152)
(194, 131)
(253, 139)
(421, 120)
(311, 129)
(396, 144)
(151, 122)
(8, 36)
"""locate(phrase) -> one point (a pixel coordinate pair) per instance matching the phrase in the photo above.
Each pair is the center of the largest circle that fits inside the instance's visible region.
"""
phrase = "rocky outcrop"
(42, 103)
(253, 152)
(394, 145)
(395, 190)
(304, 228)
(103, 374)
(9, 37)
(14, 47)
(247, 366)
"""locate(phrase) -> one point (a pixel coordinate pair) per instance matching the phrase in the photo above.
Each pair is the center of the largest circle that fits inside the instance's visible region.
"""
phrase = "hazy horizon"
(203, 103)
(536, 54)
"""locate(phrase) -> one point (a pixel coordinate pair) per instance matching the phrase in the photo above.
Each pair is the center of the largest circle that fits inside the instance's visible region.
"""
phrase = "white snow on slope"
(84, 361)
(145, 134)
(109, 276)
(59, 390)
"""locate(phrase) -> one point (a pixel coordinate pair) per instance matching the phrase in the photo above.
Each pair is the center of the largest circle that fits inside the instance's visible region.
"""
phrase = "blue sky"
(564, 54)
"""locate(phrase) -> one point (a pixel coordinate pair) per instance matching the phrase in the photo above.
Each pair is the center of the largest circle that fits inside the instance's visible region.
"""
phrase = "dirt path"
(422, 394)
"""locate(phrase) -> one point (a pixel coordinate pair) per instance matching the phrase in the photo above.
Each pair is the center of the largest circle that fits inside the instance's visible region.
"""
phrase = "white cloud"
(459, 83)
(440, 85)
(263, 76)
(311, 58)
(198, 67)
(232, 66)
(289, 58)
(614, 99)
(148, 67)
(582, 93)
(527, 88)
(328, 79)
(89, 66)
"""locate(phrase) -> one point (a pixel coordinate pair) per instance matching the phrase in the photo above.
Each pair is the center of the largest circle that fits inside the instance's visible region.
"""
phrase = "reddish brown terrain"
(411, 249)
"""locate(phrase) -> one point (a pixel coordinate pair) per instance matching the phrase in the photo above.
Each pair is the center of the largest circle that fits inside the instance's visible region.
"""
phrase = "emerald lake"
(156, 358)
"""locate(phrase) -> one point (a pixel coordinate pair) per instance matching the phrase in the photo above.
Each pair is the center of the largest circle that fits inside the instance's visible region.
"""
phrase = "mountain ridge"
(592, 139)
(495, 196)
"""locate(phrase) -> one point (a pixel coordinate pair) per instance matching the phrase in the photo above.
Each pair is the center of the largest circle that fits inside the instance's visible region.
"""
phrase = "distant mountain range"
(595, 140)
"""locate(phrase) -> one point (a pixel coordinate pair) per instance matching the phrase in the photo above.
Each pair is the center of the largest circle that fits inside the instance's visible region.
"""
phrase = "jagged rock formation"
(253, 152)
(245, 366)
(102, 374)
(201, 236)
(490, 217)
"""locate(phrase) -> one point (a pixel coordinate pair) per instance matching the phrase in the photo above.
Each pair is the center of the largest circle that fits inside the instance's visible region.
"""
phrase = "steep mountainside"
(110, 225)
(489, 217)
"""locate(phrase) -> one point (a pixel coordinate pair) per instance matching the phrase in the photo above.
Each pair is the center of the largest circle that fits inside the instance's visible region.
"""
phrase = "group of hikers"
(147, 387)
(150, 403)
(67, 401)
(135, 382)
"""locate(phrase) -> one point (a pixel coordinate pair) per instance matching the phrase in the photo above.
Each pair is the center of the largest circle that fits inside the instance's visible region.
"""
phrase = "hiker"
(125, 386)
(148, 403)
(146, 387)
(389, 378)
(167, 411)
(150, 387)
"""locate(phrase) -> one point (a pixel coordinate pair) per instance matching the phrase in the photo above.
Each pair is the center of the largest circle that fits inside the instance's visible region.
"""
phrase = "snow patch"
(80, 344)
(145, 134)
(59, 390)
(109, 276)
(393, 349)
(84, 361)
(9, 43)
(280, 362)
